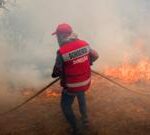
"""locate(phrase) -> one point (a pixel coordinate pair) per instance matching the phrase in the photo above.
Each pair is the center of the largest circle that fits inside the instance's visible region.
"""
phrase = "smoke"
(27, 50)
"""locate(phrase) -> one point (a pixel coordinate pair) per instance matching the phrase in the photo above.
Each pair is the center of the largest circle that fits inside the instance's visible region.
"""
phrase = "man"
(72, 65)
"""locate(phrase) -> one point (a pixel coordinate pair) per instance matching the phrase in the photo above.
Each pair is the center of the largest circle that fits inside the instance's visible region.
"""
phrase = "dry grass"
(112, 111)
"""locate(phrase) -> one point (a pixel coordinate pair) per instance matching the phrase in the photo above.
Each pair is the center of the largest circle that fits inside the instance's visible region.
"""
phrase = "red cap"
(63, 28)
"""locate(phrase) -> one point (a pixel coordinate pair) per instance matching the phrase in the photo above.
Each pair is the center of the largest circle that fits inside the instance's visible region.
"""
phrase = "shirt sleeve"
(58, 67)
(93, 55)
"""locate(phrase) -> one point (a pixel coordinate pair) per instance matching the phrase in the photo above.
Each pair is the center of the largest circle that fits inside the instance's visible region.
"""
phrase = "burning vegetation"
(131, 72)
(50, 93)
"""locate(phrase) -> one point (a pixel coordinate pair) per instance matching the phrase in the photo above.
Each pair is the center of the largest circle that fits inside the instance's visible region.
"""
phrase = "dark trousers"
(67, 100)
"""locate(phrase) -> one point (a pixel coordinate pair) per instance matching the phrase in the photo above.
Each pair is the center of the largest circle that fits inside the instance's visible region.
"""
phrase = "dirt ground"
(112, 111)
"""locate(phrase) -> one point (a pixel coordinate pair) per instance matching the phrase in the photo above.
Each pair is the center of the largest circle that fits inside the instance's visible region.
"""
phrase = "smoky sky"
(115, 28)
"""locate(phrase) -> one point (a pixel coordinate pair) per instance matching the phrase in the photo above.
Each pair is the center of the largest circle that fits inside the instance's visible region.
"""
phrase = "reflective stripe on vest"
(76, 53)
(79, 84)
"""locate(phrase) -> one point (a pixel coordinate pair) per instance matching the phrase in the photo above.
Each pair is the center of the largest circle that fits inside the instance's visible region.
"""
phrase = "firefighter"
(73, 61)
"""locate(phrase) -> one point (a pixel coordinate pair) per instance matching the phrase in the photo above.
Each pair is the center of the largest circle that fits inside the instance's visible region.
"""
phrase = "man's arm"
(93, 56)
(58, 67)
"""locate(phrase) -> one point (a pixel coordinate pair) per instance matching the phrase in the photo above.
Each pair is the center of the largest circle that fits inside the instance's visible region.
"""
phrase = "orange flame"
(131, 73)
(52, 94)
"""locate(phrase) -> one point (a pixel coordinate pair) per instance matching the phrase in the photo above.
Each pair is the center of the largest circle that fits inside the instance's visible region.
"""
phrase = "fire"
(131, 73)
(48, 93)
(52, 94)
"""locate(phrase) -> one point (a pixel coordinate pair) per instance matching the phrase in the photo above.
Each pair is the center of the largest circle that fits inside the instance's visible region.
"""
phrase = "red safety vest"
(76, 68)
